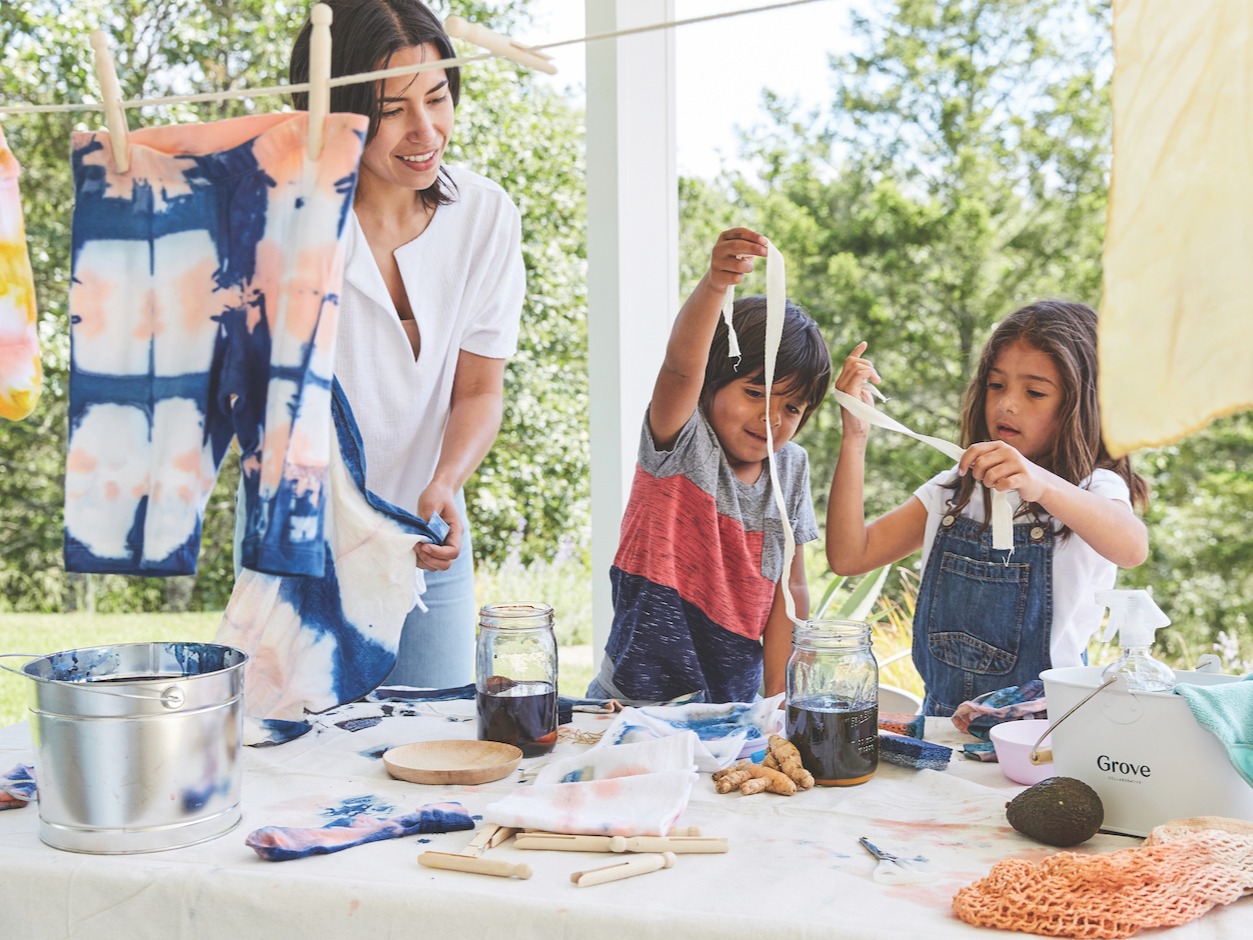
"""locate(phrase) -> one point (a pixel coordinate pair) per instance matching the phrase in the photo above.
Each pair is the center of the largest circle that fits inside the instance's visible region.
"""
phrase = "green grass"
(50, 633)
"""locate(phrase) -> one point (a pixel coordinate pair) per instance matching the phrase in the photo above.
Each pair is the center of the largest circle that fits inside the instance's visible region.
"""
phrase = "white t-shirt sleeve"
(1109, 484)
(499, 282)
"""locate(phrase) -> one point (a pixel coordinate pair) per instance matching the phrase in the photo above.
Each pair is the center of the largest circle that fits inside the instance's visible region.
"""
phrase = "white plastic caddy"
(1142, 752)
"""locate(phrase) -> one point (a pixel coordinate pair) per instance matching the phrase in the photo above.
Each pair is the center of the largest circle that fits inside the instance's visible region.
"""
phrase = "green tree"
(962, 172)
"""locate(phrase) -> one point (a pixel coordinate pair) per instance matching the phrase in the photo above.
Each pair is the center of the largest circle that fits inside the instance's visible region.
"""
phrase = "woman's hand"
(438, 498)
(854, 379)
(732, 257)
(1000, 466)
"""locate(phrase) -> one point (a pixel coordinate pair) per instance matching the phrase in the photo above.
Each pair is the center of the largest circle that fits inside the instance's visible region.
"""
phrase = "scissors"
(893, 870)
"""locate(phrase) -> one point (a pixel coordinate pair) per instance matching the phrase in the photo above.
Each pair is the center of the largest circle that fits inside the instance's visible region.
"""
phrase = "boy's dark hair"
(803, 363)
(1066, 332)
(366, 34)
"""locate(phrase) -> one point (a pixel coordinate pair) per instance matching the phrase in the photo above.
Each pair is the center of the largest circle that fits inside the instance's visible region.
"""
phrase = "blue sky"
(722, 65)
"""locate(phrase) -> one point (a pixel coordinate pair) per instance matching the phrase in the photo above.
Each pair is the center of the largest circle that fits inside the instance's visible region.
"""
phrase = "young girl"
(698, 580)
(988, 619)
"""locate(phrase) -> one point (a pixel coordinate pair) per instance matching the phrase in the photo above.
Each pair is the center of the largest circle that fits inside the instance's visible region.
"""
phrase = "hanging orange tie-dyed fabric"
(1176, 326)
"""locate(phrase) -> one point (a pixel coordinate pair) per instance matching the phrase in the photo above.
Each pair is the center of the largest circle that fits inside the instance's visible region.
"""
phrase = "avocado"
(1059, 811)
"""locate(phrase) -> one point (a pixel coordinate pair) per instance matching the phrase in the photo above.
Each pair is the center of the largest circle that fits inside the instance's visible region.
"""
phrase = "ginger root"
(782, 755)
(751, 778)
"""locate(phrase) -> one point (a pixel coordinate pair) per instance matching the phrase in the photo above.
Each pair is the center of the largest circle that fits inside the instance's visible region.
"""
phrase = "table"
(794, 870)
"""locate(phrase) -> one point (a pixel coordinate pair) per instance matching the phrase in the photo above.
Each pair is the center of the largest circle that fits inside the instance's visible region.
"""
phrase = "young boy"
(698, 580)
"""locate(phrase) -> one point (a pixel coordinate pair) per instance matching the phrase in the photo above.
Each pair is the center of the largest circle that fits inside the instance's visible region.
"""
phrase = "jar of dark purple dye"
(833, 701)
(516, 677)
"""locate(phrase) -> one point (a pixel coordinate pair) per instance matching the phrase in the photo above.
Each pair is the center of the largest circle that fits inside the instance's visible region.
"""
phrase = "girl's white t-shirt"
(1078, 571)
(465, 281)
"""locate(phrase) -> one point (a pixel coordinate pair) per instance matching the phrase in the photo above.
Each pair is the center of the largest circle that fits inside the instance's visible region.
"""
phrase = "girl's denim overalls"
(983, 617)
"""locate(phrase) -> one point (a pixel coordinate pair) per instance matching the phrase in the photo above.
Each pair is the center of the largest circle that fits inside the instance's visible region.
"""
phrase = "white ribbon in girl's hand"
(1002, 510)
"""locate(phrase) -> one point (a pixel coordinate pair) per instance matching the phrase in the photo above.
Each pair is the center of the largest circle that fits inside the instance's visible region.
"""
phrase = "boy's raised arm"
(677, 390)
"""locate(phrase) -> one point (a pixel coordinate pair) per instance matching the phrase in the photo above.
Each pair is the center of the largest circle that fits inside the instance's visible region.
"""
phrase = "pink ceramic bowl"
(1013, 741)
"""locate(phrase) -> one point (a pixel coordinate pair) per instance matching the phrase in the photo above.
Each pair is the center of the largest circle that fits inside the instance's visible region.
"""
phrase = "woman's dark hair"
(803, 362)
(365, 34)
(1066, 333)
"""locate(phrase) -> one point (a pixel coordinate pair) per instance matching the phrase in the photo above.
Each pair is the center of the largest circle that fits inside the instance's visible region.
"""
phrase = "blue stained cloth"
(282, 843)
(17, 787)
(1225, 711)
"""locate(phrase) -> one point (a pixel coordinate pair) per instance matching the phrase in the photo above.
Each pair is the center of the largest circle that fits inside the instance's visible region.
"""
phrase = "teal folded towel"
(1226, 711)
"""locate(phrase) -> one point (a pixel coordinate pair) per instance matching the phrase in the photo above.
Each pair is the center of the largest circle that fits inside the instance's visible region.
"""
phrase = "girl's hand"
(855, 376)
(437, 498)
(999, 466)
(732, 257)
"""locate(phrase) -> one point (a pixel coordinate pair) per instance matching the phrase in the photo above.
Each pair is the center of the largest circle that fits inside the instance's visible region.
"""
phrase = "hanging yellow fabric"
(1176, 328)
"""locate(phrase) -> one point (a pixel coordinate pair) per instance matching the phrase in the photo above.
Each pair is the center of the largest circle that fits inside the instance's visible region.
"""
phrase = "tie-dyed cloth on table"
(17, 787)
(283, 843)
(318, 642)
(725, 732)
(1009, 704)
(566, 706)
(638, 789)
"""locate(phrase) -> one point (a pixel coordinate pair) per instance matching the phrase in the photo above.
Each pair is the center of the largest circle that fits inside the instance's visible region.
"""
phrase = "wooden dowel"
(682, 845)
(562, 842)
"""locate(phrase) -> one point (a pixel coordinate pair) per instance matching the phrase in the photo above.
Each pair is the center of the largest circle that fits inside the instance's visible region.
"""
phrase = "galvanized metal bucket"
(137, 746)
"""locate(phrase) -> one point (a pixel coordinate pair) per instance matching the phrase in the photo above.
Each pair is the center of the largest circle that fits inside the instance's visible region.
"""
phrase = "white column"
(632, 254)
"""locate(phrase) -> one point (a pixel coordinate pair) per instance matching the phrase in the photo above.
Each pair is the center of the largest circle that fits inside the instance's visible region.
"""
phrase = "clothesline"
(381, 74)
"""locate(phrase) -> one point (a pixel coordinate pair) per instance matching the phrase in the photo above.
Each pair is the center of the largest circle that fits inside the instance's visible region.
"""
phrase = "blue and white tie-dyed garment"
(315, 643)
(203, 304)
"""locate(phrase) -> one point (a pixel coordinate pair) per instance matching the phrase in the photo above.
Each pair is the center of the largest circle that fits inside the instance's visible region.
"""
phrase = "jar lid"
(515, 616)
(835, 633)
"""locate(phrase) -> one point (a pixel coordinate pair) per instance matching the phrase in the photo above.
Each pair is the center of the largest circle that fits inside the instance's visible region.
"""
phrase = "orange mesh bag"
(1183, 869)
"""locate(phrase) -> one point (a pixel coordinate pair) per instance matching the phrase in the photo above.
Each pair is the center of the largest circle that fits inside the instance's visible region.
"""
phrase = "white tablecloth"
(794, 870)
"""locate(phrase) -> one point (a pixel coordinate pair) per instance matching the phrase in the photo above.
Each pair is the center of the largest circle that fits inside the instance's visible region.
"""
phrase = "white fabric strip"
(1002, 511)
(776, 300)
(728, 308)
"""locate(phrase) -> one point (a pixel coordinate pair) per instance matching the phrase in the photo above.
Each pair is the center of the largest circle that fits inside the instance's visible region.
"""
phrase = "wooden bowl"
(464, 762)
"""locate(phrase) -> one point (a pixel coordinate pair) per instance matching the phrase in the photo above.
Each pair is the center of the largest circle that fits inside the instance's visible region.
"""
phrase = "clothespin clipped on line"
(111, 95)
(499, 45)
(319, 76)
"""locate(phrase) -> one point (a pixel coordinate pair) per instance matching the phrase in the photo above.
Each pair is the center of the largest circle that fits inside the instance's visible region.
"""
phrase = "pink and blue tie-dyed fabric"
(284, 843)
(314, 643)
(21, 375)
(203, 307)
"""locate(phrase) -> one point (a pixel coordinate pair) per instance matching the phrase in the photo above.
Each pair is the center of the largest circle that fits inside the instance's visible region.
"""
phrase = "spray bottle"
(1135, 618)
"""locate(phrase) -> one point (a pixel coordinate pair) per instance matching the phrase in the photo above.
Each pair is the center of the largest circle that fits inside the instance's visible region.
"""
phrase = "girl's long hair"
(1066, 333)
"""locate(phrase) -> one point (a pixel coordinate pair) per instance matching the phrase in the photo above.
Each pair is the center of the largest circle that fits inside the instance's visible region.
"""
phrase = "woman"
(429, 313)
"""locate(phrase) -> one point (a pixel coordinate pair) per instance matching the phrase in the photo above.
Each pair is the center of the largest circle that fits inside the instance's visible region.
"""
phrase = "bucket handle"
(1036, 757)
(171, 697)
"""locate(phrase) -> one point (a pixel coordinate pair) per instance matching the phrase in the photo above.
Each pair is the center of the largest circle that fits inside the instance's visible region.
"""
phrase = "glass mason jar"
(833, 701)
(515, 669)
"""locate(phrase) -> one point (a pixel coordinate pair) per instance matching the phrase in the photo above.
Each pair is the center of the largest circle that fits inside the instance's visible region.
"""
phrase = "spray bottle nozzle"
(1136, 618)
(1132, 615)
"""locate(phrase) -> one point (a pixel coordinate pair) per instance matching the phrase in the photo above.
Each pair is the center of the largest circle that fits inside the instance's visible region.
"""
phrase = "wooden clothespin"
(639, 865)
(111, 95)
(319, 76)
(499, 45)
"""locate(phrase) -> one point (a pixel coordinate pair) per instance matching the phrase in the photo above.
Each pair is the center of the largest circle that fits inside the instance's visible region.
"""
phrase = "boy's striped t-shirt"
(698, 559)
